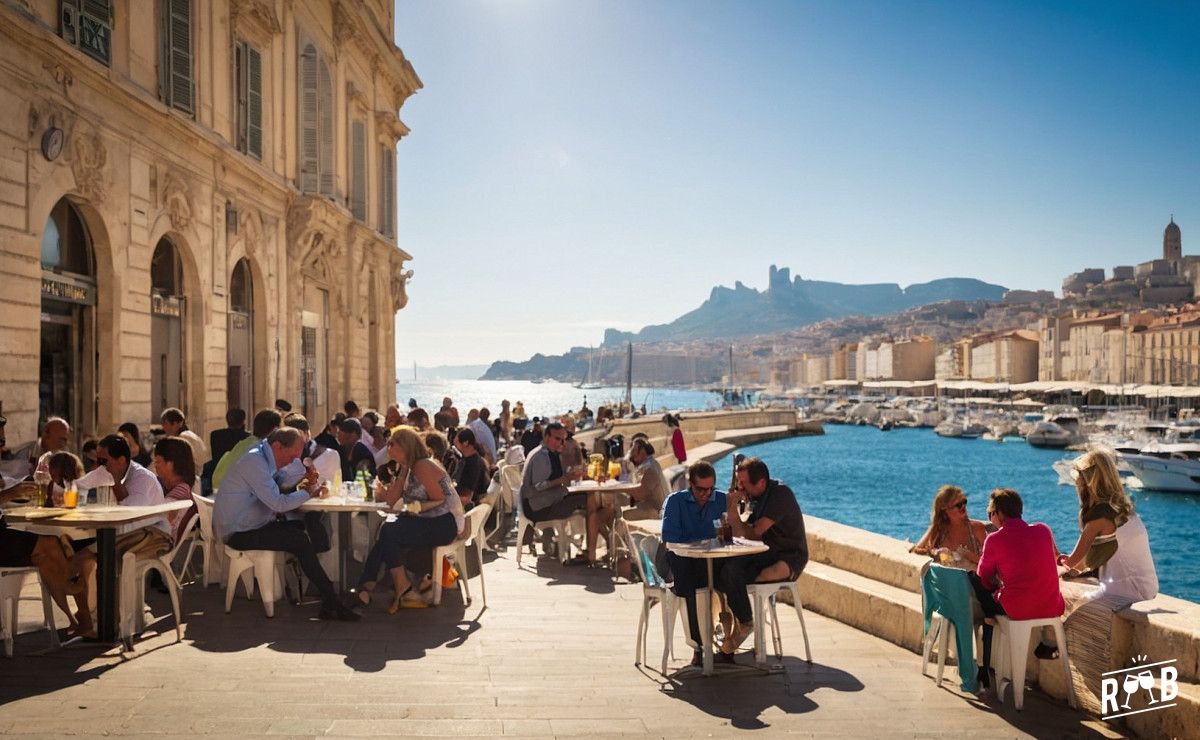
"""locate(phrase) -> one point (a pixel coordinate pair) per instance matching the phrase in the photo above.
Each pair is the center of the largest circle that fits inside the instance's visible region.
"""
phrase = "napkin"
(98, 477)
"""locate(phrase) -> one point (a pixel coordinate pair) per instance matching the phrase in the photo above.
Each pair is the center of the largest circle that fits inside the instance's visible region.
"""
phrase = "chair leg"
(437, 582)
(482, 583)
(173, 589)
(944, 639)
(231, 586)
(464, 582)
(524, 526)
(48, 615)
(668, 626)
(640, 648)
(760, 649)
(1061, 639)
(803, 627)
(927, 648)
(776, 637)
(9, 619)
(268, 582)
(1018, 656)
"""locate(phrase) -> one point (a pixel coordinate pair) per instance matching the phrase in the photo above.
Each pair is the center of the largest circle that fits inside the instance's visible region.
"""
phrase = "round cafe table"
(597, 490)
(710, 550)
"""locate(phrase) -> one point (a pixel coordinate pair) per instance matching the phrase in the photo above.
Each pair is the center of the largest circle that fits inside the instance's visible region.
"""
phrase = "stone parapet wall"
(872, 582)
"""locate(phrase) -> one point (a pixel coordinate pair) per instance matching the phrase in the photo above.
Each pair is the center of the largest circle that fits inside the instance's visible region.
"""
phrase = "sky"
(582, 164)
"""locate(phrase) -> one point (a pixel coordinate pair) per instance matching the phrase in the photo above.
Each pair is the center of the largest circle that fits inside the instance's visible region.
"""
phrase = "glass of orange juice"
(614, 469)
(71, 497)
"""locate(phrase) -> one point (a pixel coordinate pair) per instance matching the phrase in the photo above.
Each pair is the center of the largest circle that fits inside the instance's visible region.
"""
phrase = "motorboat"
(960, 429)
(1049, 434)
(1166, 466)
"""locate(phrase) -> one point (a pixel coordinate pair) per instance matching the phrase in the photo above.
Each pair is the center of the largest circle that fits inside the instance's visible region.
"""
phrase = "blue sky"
(625, 156)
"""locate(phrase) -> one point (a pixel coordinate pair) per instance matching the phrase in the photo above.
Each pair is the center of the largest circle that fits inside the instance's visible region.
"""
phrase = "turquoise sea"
(885, 482)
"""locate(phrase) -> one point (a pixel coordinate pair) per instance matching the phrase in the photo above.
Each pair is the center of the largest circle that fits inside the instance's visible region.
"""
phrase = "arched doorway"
(166, 328)
(239, 388)
(67, 377)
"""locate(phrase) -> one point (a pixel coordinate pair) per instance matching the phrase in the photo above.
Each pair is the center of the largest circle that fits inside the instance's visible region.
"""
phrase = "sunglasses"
(961, 505)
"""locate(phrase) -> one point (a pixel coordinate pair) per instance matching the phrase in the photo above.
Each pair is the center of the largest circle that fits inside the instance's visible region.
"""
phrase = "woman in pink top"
(176, 470)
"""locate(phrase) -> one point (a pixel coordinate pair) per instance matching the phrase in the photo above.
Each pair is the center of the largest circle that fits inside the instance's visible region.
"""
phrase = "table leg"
(344, 544)
(707, 619)
(106, 585)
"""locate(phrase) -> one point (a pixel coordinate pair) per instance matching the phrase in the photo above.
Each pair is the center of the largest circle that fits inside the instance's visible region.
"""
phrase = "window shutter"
(95, 29)
(387, 192)
(358, 175)
(177, 47)
(325, 127)
(240, 95)
(309, 166)
(254, 129)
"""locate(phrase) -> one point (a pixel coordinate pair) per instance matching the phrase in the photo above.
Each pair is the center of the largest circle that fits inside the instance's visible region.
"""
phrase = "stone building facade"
(197, 207)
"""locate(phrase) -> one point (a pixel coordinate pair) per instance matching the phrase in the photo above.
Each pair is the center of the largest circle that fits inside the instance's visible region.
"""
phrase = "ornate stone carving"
(255, 18)
(311, 237)
(46, 113)
(88, 160)
(61, 75)
(399, 284)
(357, 95)
(389, 125)
(250, 230)
(345, 27)
(177, 200)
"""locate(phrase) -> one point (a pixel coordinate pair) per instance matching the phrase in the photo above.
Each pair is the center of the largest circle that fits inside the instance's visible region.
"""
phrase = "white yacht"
(1049, 434)
(1166, 467)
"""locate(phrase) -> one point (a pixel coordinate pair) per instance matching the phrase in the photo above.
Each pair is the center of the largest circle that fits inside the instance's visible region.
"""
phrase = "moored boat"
(1166, 467)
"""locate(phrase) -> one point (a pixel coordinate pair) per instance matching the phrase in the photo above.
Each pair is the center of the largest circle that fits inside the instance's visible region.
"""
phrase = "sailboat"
(588, 384)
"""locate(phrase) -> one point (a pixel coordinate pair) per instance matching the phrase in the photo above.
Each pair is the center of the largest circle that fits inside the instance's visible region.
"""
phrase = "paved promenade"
(551, 656)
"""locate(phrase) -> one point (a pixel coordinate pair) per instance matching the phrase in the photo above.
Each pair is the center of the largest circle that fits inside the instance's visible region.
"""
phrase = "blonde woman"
(428, 514)
(1112, 541)
(953, 538)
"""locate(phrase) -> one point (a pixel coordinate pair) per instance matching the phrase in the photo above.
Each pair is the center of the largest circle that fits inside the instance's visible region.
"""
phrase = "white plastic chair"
(12, 581)
(1013, 654)
(764, 595)
(656, 592)
(133, 586)
(563, 533)
(510, 487)
(457, 551)
(215, 562)
(265, 566)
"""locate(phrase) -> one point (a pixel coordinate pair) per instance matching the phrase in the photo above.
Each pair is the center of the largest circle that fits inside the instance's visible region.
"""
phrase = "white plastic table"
(342, 508)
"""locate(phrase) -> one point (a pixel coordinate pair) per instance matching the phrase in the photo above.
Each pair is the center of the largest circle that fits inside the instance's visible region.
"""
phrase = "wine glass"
(1130, 685)
(1146, 681)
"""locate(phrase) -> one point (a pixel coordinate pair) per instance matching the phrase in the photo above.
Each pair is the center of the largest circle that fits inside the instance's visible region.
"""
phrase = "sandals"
(361, 597)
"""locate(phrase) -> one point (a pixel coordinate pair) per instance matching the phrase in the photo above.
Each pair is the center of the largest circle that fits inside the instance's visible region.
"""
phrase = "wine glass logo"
(1130, 685)
(1146, 681)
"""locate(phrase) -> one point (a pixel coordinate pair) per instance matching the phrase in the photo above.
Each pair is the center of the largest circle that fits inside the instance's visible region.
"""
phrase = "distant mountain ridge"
(789, 304)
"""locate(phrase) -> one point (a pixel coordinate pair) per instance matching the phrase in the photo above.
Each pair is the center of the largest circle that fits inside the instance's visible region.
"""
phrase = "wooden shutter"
(358, 166)
(309, 164)
(177, 54)
(240, 93)
(254, 129)
(95, 29)
(387, 191)
(325, 127)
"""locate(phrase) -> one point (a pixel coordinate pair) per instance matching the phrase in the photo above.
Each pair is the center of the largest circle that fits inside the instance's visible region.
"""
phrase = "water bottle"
(366, 484)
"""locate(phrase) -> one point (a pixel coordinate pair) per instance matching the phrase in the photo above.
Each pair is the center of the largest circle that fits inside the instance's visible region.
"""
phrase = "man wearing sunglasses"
(544, 484)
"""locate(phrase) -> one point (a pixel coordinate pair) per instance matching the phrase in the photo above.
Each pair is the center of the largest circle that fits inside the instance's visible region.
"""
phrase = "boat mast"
(629, 378)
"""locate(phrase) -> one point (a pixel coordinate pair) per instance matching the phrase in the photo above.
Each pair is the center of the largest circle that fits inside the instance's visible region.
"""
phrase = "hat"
(282, 405)
(412, 403)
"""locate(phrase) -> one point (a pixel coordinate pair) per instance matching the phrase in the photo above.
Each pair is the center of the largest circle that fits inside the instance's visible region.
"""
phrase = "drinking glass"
(71, 497)
(1130, 685)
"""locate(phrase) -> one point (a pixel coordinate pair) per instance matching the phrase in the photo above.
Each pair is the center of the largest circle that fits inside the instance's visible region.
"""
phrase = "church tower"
(1172, 241)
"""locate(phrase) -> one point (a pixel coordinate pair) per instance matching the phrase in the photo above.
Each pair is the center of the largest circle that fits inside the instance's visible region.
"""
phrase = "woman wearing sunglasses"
(953, 538)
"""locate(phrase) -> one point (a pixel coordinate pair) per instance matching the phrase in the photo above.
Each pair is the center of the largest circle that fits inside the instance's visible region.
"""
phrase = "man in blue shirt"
(687, 517)
(249, 509)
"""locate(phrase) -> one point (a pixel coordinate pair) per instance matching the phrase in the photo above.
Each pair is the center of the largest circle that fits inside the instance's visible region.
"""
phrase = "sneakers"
(737, 637)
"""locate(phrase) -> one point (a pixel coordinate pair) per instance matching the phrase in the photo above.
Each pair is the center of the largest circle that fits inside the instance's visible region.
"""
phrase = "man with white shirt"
(133, 485)
(174, 424)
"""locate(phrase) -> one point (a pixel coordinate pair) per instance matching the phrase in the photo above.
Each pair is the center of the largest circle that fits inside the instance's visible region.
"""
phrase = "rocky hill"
(789, 304)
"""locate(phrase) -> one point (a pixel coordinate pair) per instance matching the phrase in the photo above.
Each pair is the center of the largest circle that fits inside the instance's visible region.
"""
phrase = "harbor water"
(884, 482)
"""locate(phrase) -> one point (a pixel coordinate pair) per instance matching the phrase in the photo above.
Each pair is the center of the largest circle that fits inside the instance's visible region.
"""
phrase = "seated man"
(687, 516)
(356, 456)
(470, 474)
(174, 424)
(245, 516)
(265, 422)
(544, 484)
(652, 488)
(1017, 569)
(135, 486)
(776, 520)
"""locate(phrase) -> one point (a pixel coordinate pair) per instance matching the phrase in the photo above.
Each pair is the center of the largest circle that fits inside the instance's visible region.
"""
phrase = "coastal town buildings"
(197, 207)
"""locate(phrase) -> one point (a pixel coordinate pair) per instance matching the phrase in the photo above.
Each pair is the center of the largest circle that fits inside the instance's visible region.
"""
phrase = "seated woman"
(429, 515)
(953, 538)
(176, 470)
(1112, 540)
(57, 564)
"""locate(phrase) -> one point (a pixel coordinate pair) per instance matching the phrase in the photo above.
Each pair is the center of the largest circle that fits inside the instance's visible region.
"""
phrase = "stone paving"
(550, 656)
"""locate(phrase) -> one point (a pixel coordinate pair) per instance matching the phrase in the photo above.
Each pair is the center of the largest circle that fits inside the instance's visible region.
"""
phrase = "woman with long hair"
(953, 538)
(429, 514)
(1112, 542)
(176, 470)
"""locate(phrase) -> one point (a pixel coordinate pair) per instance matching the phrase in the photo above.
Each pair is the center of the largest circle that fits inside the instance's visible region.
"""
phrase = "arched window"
(65, 241)
(316, 123)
